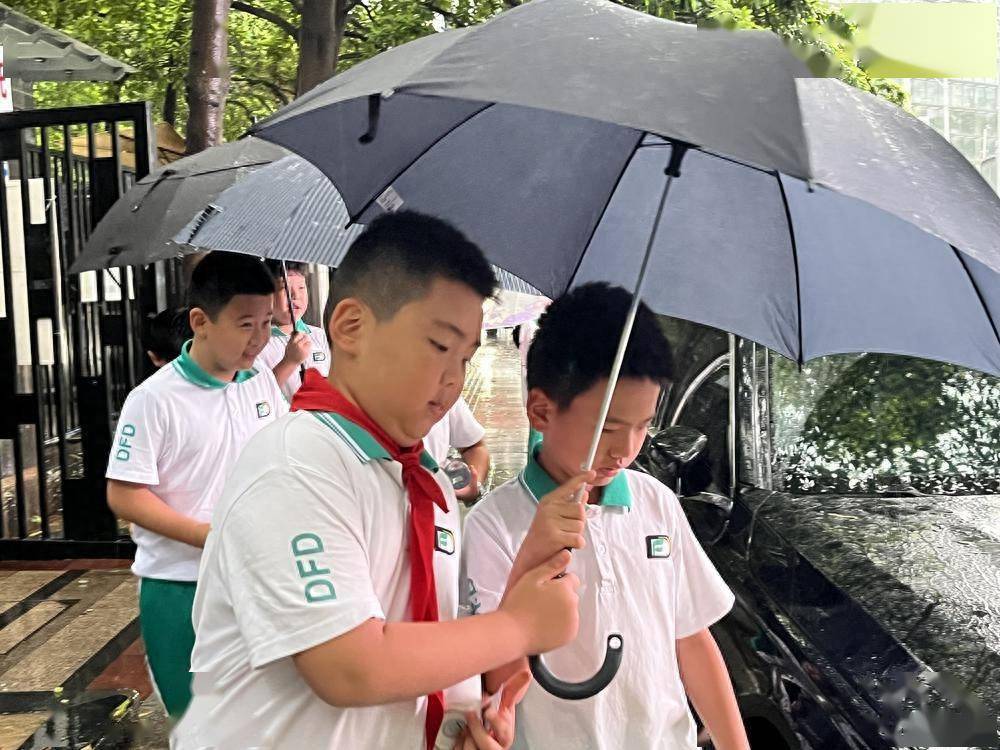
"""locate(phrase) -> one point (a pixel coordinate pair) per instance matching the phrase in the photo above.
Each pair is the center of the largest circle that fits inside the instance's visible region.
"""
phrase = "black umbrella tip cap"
(374, 108)
(677, 151)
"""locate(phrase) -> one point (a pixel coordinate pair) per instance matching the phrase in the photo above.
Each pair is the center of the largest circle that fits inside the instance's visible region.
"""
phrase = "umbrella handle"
(575, 691)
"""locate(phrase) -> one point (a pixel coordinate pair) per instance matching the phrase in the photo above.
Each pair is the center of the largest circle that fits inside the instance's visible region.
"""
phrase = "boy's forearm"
(706, 681)
(136, 504)
(283, 371)
(381, 662)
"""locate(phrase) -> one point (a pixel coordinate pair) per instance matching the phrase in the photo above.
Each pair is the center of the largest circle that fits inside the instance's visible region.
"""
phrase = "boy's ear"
(198, 319)
(348, 324)
(540, 409)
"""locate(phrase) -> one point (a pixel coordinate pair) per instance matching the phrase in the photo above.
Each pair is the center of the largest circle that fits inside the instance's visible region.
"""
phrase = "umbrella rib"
(168, 174)
(795, 263)
(600, 217)
(979, 294)
(401, 172)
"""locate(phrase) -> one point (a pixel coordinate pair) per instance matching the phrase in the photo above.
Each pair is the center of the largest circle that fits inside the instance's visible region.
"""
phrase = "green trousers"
(165, 619)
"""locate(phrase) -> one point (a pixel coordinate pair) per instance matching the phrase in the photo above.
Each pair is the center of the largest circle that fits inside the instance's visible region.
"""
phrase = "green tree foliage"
(153, 36)
(801, 23)
(869, 422)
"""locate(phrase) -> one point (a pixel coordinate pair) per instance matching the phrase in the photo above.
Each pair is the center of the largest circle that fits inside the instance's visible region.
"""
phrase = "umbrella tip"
(677, 151)
(374, 107)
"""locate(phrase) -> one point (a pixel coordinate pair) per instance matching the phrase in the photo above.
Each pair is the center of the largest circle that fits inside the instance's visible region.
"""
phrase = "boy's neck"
(338, 381)
(208, 363)
(285, 328)
(561, 477)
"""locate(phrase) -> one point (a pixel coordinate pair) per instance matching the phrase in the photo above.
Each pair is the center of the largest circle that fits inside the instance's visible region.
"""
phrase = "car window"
(707, 410)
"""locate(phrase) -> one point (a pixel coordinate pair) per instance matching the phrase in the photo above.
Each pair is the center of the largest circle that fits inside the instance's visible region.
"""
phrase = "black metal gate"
(69, 345)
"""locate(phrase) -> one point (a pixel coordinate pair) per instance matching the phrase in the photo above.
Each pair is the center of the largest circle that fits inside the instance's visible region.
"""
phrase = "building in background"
(965, 111)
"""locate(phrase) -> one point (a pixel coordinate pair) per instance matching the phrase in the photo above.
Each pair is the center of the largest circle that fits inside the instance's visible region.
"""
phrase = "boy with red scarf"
(326, 607)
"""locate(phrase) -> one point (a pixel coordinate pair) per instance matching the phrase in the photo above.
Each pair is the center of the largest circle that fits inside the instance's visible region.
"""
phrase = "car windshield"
(871, 423)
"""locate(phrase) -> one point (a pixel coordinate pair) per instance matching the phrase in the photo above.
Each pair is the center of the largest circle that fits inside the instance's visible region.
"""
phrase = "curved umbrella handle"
(575, 691)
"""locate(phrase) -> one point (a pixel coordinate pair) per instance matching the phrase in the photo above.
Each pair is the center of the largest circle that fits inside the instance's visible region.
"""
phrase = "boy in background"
(178, 435)
(165, 334)
(287, 351)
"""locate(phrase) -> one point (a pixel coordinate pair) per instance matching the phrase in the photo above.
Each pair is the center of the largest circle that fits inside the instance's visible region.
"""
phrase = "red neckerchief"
(316, 394)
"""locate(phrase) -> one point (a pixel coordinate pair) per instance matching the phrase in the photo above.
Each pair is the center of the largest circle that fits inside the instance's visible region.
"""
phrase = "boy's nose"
(621, 447)
(454, 375)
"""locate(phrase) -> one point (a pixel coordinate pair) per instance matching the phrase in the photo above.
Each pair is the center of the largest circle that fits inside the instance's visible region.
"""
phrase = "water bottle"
(458, 472)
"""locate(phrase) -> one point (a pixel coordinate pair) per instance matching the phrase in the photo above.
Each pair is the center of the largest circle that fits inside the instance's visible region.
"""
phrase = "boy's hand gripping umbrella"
(291, 312)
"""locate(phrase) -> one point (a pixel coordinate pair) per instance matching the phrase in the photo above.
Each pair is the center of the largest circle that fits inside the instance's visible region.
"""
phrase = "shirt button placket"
(596, 533)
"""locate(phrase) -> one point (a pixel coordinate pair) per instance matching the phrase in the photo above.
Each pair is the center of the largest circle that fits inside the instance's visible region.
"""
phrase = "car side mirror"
(708, 513)
(679, 443)
(678, 457)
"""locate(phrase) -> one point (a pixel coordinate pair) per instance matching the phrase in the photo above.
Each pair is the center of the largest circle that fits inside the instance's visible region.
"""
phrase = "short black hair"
(221, 276)
(274, 266)
(577, 340)
(166, 333)
(398, 256)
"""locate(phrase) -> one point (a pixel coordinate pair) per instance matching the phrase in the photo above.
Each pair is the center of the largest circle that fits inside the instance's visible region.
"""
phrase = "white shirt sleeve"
(486, 564)
(703, 598)
(136, 445)
(281, 405)
(270, 355)
(465, 429)
(293, 558)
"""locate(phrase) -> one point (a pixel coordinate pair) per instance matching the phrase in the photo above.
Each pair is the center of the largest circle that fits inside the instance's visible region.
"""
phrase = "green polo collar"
(538, 483)
(192, 372)
(365, 447)
(300, 326)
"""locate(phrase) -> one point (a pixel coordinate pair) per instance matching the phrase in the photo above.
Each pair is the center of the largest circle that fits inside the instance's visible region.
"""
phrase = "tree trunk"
(320, 34)
(170, 105)
(208, 74)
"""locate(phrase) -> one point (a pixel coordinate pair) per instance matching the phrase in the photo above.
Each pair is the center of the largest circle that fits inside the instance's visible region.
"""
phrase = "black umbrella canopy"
(731, 92)
(139, 228)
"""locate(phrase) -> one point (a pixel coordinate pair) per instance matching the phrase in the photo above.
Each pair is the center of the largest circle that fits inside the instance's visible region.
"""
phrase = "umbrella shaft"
(616, 368)
(291, 312)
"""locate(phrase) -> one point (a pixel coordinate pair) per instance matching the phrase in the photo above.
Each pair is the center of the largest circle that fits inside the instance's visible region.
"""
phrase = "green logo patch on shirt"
(263, 410)
(658, 547)
(444, 541)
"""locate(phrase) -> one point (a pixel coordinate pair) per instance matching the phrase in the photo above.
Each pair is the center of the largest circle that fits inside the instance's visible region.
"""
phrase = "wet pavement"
(72, 664)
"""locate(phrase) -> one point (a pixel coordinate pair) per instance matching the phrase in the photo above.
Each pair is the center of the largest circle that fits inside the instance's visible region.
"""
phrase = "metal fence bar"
(101, 360)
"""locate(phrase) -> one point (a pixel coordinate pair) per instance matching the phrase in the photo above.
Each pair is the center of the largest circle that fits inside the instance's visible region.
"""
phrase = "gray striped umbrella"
(288, 210)
(140, 226)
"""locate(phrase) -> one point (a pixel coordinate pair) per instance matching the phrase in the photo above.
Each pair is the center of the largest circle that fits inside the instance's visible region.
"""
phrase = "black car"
(853, 506)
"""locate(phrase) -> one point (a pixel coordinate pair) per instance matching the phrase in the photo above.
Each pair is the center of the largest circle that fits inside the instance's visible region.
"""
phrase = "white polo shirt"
(274, 351)
(180, 432)
(643, 575)
(309, 541)
(456, 429)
